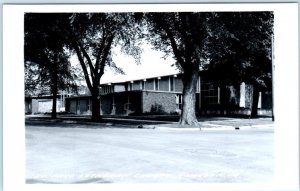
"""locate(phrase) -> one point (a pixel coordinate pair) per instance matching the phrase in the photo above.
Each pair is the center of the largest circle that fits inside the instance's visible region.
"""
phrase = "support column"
(113, 112)
(219, 101)
(199, 92)
(128, 106)
(242, 95)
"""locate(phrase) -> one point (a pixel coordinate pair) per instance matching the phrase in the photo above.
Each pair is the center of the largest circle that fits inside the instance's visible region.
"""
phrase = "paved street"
(81, 153)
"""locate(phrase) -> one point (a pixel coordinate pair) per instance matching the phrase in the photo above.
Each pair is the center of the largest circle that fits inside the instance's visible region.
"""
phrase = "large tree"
(47, 67)
(92, 36)
(182, 35)
(240, 50)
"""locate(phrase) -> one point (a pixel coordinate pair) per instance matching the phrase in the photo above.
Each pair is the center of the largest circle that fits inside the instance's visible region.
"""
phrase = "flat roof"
(139, 79)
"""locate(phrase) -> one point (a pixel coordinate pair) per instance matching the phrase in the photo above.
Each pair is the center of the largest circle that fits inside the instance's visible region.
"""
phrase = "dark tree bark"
(54, 92)
(95, 104)
(188, 114)
(53, 113)
(255, 98)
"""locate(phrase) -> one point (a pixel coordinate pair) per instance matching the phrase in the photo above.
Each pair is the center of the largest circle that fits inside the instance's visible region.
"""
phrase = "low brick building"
(163, 95)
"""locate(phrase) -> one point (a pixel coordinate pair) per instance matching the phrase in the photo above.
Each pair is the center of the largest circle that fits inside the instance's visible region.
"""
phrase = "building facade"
(43, 104)
(163, 95)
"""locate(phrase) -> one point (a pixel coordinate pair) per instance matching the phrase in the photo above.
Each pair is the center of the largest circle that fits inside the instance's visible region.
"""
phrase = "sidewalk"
(219, 124)
(211, 123)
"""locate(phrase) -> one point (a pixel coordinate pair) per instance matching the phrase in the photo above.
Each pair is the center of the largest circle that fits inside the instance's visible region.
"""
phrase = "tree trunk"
(53, 113)
(95, 104)
(54, 92)
(254, 105)
(188, 114)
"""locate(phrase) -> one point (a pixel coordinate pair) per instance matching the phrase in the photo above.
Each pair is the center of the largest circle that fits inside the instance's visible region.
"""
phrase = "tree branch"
(186, 40)
(81, 61)
(174, 46)
(87, 58)
(100, 51)
(104, 57)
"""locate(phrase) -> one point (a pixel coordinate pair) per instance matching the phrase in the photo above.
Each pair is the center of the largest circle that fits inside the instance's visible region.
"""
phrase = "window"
(209, 94)
(106, 89)
(171, 84)
(156, 84)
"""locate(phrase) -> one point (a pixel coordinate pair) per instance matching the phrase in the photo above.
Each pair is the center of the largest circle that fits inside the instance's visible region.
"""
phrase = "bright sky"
(152, 65)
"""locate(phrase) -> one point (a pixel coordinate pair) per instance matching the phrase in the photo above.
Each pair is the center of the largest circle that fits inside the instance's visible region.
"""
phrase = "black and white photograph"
(151, 96)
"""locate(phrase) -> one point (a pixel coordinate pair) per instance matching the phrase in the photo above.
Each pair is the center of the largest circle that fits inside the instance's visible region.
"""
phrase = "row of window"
(106, 89)
(154, 84)
(208, 97)
(209, 91)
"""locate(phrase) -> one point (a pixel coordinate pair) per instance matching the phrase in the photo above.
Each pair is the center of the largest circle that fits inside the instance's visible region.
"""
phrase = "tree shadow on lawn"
(87, 123)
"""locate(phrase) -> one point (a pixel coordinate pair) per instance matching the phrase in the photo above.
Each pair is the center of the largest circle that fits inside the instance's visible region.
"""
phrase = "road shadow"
(87, 181)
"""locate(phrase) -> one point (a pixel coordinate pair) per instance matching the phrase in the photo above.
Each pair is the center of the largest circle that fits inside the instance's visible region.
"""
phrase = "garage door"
(45, 106)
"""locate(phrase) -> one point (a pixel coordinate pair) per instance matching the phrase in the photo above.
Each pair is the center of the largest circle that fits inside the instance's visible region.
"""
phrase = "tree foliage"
(45, 53)
(47, 67)
(239, 50)
(233, 47)
(182, 35)
(242, 40)
(91, 37)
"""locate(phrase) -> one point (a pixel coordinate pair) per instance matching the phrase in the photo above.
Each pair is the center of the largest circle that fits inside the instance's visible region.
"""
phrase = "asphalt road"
(101, 154)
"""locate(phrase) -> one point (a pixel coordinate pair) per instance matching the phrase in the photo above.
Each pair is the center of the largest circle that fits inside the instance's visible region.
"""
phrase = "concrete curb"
(179, 129)
(212, 127)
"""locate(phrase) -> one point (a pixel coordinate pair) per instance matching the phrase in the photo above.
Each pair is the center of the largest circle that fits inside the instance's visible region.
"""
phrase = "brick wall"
(165, 101)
